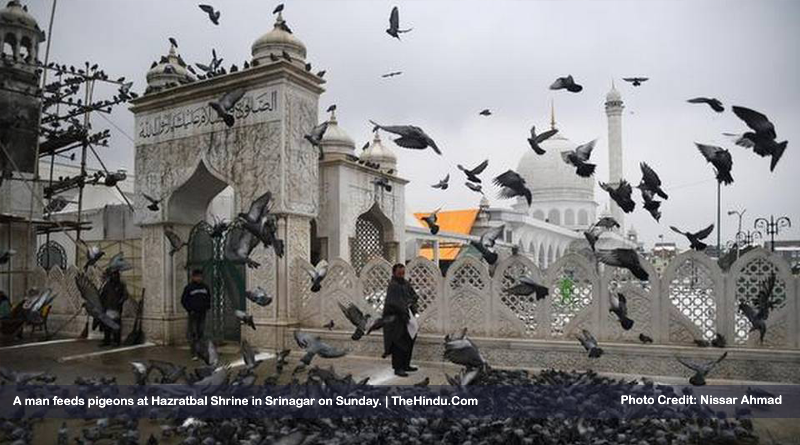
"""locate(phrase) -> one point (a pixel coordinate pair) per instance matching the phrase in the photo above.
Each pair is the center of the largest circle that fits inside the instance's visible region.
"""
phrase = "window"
(539, 215)
(554, 217)
(583, 217)
(569, 218)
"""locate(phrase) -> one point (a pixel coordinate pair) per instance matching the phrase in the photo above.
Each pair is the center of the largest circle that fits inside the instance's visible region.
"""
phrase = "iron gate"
(226, 279)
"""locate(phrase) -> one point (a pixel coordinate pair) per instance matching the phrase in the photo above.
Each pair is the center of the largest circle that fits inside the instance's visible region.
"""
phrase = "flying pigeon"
(93, 255)
(566, 83)
(117, 263)
(315, 136)
(485, 112)
(92, 302)
(621, 194)
(651, 181)
(607, 223)
(472, 174)
(721, 160)
(314, 346)
(410, 136)
(651, 204)
(535, 139)
(757, 316)
(701, 370)
(258, 296)
(430, 221)
(635, 81)
(513, 185)
(226, 103)
(696, 238)
(715, 104)
(261, 224)
(391, 74)
(245, 318)
(153, 206)
(175, 241)
(443, 184)
(625, 258)
(589, 343)
(394, 24)
(318, 274)
(579, 157)
(526, 286)
(762, 138)
(618, 305)
(464, 352)
(485, 245)
(212, 14)
(355, 316)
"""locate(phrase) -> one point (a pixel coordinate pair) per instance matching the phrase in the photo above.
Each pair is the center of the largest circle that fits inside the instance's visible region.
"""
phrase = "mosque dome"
(336, 140)
(549, 177)
(14, 15)
(169, 72)
(279, 39)
(378, 153)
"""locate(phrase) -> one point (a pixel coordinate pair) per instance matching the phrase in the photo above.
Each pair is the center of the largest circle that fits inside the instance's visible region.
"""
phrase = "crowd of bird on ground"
(259, 227)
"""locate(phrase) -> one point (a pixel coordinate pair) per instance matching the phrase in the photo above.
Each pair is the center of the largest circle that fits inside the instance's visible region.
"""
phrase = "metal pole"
(88, 98)
(719, 219)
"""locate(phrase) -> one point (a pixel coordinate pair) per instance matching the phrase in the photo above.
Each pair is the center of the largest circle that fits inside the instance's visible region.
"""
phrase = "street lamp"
(746, 237)
(772, 226)
(740, 214)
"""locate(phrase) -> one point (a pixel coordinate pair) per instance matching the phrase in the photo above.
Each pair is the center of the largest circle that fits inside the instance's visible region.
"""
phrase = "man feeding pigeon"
(196, 299)
(400, 334)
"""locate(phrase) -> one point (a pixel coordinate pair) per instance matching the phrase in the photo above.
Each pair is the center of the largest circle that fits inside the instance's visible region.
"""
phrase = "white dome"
(336, 140)
(550, 178)
(277, 41)
(14, 15)
(379, 154)
(169, 72)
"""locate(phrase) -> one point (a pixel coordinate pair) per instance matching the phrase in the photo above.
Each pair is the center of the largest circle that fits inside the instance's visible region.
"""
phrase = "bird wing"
(88, 290)
(705, 232)
(708, 151)
(622, 302)
(207, 8)
(649, 176)
(229, 99)
(544, 136)
(488, 238)
(353, 314)
(699, 100)
(150, 198)
(755, 120)
(677, 230)
(248, 354)
(765, 296)
(480, 168)
(325, 350)
(509, 179)
(584, 151)
(394, 18)
(173, 238)
(259, 206)
(613, 257)
(691, 365)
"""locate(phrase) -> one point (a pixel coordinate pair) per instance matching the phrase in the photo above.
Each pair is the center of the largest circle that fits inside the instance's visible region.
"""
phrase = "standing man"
(112, 297)
(196, 299)
(400, 333)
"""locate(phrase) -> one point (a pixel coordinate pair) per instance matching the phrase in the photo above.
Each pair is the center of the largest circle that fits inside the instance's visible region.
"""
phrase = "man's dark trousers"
(197, 323)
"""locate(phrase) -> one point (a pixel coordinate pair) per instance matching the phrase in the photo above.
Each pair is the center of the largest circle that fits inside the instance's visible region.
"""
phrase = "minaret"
(614, 109)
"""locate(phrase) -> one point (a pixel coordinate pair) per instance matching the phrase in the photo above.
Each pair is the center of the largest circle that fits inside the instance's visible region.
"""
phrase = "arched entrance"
(370, 238)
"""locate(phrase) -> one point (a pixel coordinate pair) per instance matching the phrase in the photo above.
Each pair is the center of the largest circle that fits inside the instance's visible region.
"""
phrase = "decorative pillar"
(614, 108)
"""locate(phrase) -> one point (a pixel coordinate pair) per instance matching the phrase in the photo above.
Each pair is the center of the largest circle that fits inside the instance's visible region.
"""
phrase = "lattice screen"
(368, 242)
(748, 285)
(570, 293)
(692, 291)
(523, 307)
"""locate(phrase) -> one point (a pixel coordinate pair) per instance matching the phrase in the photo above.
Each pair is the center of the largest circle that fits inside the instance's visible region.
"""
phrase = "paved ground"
(70, 358)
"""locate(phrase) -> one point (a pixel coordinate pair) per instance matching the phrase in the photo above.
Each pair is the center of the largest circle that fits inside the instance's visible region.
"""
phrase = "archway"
(554, 217)
(569, 217)
(372, 230)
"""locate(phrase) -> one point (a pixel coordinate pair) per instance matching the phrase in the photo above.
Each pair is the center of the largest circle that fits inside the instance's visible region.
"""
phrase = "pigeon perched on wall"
(410, 136)
(589, 343)
(701, 370)
(535, 139)
(762, 138)
(527, 286)
(383, 183)
(443, 184)
(213, 15)
(225, 105)
(618, 305)
(566, 83)
(625, 258)
(485, 245)
(695, 239)
(715, 104)
(394, 24)
(621, 194)
(721, 160)
(430, 221)
(318, 274)
(579, 159)
(513, 185)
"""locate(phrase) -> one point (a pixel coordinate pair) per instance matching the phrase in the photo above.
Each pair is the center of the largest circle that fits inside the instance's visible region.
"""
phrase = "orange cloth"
(453, 221)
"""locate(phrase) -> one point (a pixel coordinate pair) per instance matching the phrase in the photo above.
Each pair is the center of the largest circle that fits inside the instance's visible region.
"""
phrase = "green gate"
(225, 278)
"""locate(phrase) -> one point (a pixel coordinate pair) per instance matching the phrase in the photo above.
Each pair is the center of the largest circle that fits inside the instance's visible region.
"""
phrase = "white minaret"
(614, 109)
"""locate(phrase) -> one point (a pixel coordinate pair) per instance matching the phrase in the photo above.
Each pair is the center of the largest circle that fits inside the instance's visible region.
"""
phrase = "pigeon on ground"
(566, 83)
(762, 138)
(535, 139)
(423, 383)
(695, 239)
(474, 187)
(485, 112)
(472, 174)
(213, 15)
(464, 352)
(526, 286)
(512, 185)
(589, 343)
(141, 372)
(318, 274)
(410, 136)
(625, 258)
(430, 221)
(701, 370)
(721, 160)
(635, 81)
(245, 318)
(153, 202)
(394, 24)
(579, 159)
(443, 184)
(618, 305)
(715, 104)
(175, 242)
(485, 245)
(621, 194)
(225, 105)
(249, 356)
(258, 296)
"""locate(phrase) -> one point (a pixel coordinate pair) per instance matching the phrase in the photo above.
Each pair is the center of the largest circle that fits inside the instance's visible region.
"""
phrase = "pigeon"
(719, 341)
(464, 352)
(308, 67)
(410, 136)
(173, 42)
(651, 204)
(212, 14)
(258, 296)
(317, 275)
(245, 318)
(591, 238)
(485, 245)
(329, 325)
(579, 157)
(474, 187)
(423, 383)
(117, 263)
(701, 343)
(430, 221)
(391, 74)
(757, 316)
(720, 159)
(314, 346)
(650, 181)
(607, 223)
(566, 83)
(57, 204)
(278, 9)
(621, 194)
(383, 183)
(645, 339)
(472, 175)
(715, 104)
(635, 81)
(701, 370)
(92, 302)
(93, 255)
(262, 225)
(513, 185)
(527, 286)
(625, 258)
(321, 73)
(695, 239)
(394, 24)
(355, 316)
(443, 184)
(225, 104)
(141, 372)
(316, 134)
(249, 356)
(153, 206)
(175, 241)
(238, 247)
(23, 378)
(618, 305)
(762, 138)
(485, 112)
(589, 343)
(535, 139)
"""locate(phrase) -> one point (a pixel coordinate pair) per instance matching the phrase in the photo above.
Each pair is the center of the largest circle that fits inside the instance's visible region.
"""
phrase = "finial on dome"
(552, 114)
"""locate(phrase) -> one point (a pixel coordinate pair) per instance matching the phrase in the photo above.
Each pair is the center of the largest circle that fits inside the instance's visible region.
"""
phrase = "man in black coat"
(196, 299)
(400, 334)
(113, 295)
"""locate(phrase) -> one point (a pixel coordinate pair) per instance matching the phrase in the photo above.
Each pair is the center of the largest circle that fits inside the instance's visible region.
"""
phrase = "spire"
(552, 114)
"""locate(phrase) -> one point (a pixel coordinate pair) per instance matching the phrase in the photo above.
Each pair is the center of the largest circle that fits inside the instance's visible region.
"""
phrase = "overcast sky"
(463, 56)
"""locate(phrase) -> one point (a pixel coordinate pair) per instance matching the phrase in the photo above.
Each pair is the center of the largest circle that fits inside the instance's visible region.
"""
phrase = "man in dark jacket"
(400, 334)
(113, 296)
(196, 299)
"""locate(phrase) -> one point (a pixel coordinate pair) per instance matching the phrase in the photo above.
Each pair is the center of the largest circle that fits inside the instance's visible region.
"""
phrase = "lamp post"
(746, 237)
(740, 214)
(772, 226)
